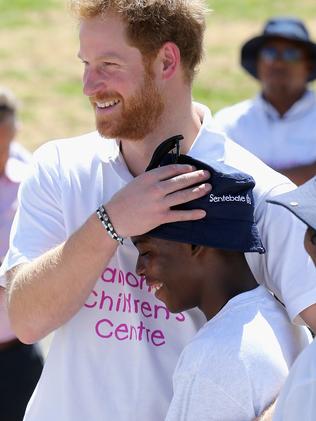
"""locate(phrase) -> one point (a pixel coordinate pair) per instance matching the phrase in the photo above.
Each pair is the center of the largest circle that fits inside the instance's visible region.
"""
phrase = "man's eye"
(108, 64)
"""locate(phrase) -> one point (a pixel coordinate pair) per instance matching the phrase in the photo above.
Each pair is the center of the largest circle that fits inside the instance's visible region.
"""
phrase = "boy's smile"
(166, 267)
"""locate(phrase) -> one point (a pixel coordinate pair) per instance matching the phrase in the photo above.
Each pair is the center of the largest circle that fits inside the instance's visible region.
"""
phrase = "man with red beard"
(71, 264)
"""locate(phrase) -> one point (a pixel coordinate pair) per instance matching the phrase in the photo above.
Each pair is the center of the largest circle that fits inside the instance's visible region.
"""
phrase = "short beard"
(140, 113)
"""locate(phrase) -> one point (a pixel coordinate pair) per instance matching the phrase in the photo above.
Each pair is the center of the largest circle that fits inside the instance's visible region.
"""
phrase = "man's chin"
(127, 132)
(105, 130)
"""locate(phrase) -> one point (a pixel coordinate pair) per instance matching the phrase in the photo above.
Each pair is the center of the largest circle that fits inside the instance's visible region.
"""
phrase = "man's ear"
(170, 59)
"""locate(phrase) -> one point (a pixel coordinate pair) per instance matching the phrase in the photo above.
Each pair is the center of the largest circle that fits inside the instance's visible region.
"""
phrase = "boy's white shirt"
(237, 363)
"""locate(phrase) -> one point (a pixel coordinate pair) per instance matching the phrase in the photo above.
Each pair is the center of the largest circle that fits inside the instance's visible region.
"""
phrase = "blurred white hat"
(300, 201)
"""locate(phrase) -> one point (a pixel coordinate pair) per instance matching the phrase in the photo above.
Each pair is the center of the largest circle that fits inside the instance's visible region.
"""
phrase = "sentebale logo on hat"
(230, 198)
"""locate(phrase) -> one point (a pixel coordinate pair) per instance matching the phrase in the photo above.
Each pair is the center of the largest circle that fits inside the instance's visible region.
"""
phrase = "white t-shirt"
(235, 366)
(94, 370)
(281, 142)
(297, 400)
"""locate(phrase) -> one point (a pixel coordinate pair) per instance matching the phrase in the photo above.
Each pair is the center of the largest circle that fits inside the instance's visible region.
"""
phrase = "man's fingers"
(169, 171)
(183, 181)
(187, 215)
(187, 195)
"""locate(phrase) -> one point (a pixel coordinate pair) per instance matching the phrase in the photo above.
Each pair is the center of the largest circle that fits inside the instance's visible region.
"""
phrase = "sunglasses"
(289, 54)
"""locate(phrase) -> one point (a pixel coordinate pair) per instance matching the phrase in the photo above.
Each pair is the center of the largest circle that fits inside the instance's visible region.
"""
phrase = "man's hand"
(146, 201)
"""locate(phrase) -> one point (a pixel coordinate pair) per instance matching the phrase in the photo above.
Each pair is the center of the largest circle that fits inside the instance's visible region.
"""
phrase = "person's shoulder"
(232, 113)
(265, 177)
(75, 151)
(216, 347)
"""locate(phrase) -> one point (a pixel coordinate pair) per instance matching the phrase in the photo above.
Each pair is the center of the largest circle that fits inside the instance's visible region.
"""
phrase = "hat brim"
(243, 236)
(249, 53)
(301, 202)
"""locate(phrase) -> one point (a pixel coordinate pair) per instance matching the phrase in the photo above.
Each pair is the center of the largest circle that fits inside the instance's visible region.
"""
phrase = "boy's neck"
(236, 279)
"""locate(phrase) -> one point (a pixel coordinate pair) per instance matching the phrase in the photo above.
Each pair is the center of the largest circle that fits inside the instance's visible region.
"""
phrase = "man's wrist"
(107, 224)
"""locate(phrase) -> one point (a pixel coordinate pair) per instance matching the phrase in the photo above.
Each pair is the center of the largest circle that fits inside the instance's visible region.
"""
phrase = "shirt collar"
(300, 107)
(208, 134)
(107, 149)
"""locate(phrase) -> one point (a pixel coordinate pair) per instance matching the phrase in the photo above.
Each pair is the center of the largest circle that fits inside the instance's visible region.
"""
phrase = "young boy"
(236, 364)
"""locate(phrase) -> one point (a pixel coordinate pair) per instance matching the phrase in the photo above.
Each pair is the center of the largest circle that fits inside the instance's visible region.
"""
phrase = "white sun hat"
(300, 201)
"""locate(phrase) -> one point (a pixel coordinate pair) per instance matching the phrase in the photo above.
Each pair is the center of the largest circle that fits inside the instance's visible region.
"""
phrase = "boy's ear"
(196, 250)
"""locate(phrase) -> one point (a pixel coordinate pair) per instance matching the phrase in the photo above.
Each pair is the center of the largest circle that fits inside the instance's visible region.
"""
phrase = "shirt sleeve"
(285, 268)
(297, 400)
(299, 404)
(38, 225)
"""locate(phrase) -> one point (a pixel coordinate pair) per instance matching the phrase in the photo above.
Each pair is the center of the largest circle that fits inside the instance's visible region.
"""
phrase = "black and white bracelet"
(105, 220)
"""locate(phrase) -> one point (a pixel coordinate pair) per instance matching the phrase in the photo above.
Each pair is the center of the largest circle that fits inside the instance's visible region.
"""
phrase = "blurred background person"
(278, 124)
(20, 365)
(297, 399)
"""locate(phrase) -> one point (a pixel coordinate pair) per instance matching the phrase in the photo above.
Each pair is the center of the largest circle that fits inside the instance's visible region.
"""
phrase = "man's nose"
(92, 82)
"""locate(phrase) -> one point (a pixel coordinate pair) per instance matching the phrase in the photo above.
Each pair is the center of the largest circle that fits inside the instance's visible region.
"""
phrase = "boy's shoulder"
(231, 338)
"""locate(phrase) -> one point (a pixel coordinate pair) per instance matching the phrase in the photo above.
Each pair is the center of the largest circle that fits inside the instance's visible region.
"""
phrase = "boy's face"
(170, 268)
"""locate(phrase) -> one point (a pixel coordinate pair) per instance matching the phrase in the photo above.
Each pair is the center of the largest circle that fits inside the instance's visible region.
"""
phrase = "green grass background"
(38, 48)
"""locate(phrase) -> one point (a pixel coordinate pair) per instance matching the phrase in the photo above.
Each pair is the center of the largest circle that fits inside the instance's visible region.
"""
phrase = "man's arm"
(44, 294)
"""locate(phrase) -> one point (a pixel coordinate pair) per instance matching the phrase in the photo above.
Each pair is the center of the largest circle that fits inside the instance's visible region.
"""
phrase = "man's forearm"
(44, 294)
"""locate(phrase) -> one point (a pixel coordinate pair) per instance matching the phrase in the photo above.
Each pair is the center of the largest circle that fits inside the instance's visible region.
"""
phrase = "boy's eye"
(143, 253)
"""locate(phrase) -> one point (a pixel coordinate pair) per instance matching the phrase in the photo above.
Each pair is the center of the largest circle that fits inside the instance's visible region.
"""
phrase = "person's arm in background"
(299, 174)
(46, 292)
(285, 269)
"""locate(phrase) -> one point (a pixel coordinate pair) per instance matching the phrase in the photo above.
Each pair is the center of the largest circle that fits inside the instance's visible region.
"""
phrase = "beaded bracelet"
(105, 220)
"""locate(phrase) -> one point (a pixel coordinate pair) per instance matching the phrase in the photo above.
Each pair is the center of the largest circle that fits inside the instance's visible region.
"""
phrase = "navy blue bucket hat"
(229, 222)
(282, 27)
